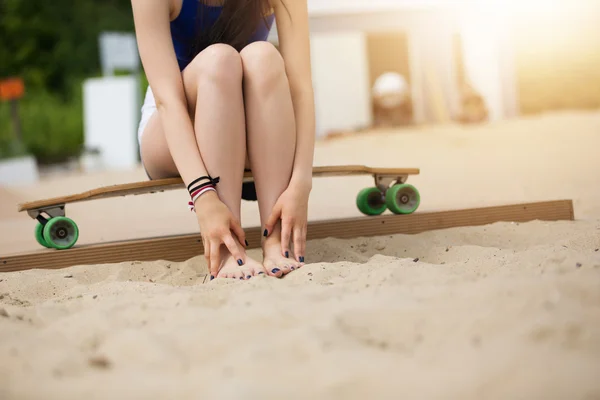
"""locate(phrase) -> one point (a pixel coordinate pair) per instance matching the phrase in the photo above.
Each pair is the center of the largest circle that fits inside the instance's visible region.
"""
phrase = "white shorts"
(148, 108)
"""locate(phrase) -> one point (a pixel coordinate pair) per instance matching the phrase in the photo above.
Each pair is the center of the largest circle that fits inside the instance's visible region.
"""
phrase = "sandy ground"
(494, 312)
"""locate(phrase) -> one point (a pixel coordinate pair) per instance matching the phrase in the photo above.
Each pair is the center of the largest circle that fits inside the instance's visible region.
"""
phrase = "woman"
(222, 100)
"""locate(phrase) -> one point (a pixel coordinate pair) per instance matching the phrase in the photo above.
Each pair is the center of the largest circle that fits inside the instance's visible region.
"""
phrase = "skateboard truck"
(384, 182)
(57, 211)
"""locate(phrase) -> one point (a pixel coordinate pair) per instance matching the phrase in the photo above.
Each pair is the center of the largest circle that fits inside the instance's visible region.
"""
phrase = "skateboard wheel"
(402, 199)
(370, 201)
(61, 233)
(39, 235)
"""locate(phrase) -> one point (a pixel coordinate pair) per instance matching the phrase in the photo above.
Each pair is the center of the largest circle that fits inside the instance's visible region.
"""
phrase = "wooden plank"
(161, 185)
(181, 248)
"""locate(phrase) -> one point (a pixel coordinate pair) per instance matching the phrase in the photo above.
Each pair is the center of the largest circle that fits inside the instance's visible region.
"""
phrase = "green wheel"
(39, 235)
(370, 201)
(61, 233)
(402, 199)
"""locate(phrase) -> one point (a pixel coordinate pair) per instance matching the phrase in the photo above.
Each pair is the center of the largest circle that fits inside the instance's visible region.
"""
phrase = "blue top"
(183, 28)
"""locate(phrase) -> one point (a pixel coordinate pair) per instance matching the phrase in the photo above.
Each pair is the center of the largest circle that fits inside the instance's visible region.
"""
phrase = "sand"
(494, 312)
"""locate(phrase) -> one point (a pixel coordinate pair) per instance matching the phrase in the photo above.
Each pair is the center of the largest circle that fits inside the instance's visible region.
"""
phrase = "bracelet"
(195, 189)
(211, 181)
(197, 195)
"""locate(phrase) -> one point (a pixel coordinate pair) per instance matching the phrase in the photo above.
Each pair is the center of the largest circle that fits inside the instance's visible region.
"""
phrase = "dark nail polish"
(287, 254)
(301, 258)
(249, 277)
(292, 268)
(275, 270)
(212, 277)
(240, 262)
(246, 243)
(265, 233)
(260, 273)
(241, 277)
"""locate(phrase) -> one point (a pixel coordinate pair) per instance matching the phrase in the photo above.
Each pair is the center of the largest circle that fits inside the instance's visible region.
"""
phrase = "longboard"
(55, 230)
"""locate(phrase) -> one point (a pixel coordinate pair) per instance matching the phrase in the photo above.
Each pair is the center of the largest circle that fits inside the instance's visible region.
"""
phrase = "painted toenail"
(241, 277)
(275, 270)
(301, 258)
(212, 277)
(287, 254)
(240, 262)
(260, 273)
(292, 268)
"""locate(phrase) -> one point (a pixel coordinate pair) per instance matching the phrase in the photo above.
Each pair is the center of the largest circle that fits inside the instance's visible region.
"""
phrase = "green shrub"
(52, 128)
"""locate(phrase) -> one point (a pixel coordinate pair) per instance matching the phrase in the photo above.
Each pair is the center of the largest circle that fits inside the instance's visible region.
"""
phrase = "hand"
(216, 225)
(292, 209)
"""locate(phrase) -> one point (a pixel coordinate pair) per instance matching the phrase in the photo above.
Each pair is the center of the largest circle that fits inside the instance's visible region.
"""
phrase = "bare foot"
(275, 263)
(231, 269)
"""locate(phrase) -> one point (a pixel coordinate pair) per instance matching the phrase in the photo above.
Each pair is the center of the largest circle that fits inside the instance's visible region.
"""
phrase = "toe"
(247, 273)
(286, 269)
(239, 275)
(258, 270)
(277, 272)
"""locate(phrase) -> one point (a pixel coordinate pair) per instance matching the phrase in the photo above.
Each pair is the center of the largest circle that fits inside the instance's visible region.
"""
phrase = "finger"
(233, 248)
(273, 218)
(303, 242)
(236, 227)
(286, 232)
(298, 244)
(215, 259)
(206, 245)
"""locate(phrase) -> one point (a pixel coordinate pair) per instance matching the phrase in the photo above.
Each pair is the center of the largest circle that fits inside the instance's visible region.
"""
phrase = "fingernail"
(275, 270)
(240, 262)
(212, 277)
(287, 254)
(265, 233)
(249, 277)
(301, 258)
(246, 243)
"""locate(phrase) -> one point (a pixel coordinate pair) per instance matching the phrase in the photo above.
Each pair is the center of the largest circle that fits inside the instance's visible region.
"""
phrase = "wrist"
(302, 182)
(204, 201)
(209, 196)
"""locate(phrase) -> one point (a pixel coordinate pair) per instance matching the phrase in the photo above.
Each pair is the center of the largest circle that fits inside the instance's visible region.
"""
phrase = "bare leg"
(271, 140)
(213, 85)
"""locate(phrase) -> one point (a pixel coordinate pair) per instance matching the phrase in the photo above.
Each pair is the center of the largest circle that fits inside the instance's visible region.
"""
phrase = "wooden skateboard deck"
(389, 192)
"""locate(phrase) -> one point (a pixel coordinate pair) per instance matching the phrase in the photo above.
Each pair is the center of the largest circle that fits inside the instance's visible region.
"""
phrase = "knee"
(262, 64)
(218, 63)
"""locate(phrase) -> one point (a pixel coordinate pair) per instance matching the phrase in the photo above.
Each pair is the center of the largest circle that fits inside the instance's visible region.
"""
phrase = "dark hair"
(235, 26)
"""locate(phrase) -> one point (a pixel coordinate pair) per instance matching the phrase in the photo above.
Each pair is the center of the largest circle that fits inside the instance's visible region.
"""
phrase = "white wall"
(340, 81)
(111, 117)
